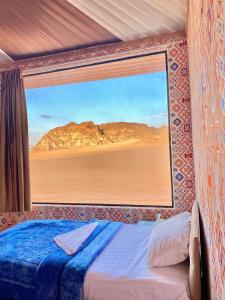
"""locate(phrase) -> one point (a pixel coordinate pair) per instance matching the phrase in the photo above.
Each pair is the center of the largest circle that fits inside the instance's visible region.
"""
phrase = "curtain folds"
(14, 145)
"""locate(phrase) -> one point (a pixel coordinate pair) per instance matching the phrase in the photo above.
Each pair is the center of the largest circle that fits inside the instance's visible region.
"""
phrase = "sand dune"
(136, 174)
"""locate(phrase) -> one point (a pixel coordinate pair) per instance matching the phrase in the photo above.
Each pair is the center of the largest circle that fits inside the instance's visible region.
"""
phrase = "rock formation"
(87, 133)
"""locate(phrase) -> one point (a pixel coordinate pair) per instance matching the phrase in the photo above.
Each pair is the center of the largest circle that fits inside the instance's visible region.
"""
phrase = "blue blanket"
(32, 266)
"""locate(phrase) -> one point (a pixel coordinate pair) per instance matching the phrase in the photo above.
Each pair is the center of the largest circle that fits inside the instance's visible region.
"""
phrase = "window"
(100, 134)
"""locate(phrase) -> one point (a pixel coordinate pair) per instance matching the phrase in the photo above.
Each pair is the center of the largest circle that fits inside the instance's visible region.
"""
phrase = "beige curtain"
(14, 145)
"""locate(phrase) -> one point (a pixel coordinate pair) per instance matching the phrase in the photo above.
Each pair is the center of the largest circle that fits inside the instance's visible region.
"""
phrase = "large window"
(101, 137)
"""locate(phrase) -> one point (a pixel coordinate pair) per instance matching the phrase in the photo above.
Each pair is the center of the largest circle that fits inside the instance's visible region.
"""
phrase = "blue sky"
(139, 98)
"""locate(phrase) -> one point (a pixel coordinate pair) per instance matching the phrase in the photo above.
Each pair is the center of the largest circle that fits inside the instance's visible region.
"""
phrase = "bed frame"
(195, 255)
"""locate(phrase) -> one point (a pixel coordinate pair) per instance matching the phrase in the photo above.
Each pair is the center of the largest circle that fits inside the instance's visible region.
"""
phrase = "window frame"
(169, 134)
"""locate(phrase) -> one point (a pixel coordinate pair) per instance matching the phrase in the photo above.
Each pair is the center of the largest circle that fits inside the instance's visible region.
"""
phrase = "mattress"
(121, 271)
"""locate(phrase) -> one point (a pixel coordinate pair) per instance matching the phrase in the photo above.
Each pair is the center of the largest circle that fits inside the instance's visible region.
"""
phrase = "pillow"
(169, 241)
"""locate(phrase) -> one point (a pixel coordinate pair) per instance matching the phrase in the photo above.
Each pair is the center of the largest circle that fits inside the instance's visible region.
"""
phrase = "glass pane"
(101, 142)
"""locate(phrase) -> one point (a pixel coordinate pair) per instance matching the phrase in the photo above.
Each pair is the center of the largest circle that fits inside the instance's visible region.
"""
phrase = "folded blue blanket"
(32, 266)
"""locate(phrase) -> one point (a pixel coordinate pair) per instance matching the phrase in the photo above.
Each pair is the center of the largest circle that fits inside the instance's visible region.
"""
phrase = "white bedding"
(121, 271)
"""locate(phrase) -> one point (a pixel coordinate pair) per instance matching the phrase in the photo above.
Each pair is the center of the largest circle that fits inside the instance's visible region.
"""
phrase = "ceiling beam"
(4, 58)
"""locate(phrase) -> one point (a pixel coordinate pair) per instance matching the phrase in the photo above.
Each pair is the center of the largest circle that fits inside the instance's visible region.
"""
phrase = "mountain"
(87, 133)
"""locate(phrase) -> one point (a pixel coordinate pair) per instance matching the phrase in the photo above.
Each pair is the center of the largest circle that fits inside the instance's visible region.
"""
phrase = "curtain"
(14, 145)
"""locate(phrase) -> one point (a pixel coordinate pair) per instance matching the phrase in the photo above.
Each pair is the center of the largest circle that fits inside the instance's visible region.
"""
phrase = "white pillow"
(169, 241)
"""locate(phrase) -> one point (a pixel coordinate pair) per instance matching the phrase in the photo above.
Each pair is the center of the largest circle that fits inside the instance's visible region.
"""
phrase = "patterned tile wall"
(206, 39)
(180, 124)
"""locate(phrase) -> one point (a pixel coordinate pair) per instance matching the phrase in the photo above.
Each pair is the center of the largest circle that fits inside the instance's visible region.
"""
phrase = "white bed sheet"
(121, 271)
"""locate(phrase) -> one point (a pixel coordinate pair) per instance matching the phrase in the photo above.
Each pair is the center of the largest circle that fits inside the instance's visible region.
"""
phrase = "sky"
(138, 98)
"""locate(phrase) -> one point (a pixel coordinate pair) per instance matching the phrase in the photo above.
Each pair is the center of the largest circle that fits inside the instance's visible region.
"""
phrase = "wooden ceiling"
(132, 19)
(32, 28)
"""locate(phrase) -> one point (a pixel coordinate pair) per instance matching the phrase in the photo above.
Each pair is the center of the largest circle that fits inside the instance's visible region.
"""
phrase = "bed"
(121, 272)
(112, 264)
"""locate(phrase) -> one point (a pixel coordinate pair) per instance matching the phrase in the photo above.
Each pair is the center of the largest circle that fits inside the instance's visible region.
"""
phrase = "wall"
(180, 127)
(206, 40)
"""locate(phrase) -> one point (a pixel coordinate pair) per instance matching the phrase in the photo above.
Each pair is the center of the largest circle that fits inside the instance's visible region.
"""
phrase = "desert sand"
(131, 174)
